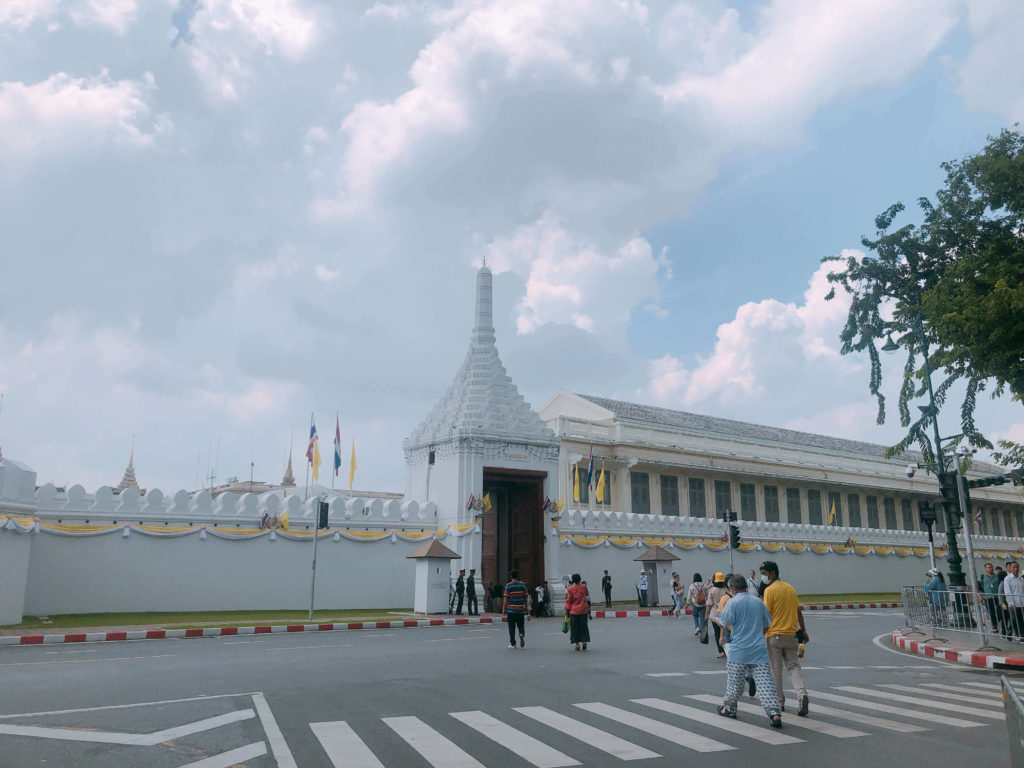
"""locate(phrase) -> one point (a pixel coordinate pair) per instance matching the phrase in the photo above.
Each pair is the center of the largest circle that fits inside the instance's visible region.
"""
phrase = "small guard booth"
(433, 576)
(657, 562)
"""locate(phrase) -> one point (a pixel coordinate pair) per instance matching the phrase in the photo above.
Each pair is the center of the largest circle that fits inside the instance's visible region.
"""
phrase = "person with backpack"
(697, 597)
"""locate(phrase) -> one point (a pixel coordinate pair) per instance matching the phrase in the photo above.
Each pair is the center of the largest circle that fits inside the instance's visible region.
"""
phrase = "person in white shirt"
(642, 587)
(1013, 598)
(752, 581)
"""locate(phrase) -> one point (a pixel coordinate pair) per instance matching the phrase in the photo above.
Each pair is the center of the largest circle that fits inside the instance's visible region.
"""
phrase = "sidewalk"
(158, 632)
(960, 652)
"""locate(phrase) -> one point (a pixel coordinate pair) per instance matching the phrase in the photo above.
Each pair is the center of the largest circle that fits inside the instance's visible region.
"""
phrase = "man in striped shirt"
(514, 609)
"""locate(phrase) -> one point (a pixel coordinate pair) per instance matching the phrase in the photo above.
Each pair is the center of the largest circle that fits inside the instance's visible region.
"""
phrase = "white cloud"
(64, 112)
(21, 14)
(990, 77)
(325, 275)
(118, 15)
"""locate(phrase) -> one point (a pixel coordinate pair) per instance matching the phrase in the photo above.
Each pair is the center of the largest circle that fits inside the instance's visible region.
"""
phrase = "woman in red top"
(577, 608)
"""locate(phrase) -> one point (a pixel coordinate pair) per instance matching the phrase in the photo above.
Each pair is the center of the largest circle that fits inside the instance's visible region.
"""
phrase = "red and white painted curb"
(971, 658)
(163, 634)
(847, 607)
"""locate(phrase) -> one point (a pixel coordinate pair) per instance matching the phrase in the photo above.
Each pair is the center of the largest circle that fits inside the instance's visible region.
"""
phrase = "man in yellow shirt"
(784, 606)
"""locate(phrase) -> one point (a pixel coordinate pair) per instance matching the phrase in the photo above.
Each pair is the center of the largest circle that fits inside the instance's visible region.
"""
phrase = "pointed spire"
(483, 330)
(129, 481)
(288, 481)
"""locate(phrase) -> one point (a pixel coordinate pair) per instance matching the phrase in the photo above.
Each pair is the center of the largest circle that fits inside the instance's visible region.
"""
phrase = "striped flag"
(265, 520)
(469, 502)
(977, 517)
(337, 445)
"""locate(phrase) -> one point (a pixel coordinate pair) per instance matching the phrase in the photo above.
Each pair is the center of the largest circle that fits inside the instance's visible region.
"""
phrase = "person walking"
(577, 608)
(678, 596)
(697, 598)
(784, 635)
(1013, 599)
(714, 597)
(460, 590)
(472, 606)
(988, 587)
(752, 582)
(641, 587)
(606, 587)
(748, 618)
(514, 608)
(938, 596)
(727, 632)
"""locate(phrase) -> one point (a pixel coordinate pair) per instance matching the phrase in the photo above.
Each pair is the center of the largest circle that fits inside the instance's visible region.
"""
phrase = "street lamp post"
(965, 518)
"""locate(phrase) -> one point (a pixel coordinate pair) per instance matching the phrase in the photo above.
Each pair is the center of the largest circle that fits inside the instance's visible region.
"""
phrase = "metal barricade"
(1014, 722)
(955, 614)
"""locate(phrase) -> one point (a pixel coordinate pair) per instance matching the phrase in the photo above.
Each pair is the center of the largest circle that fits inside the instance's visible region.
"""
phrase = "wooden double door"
(513, 529)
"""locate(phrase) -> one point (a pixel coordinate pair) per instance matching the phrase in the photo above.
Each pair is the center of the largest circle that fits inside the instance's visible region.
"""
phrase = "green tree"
(948, 292)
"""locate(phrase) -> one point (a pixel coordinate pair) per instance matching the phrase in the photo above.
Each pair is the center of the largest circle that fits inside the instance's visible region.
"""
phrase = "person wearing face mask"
(785, 633)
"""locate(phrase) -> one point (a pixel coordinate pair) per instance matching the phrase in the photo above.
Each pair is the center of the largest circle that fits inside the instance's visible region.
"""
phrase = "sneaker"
(696, 630)
(775, 720)
(511, 645)
(804, 706)
(522, 641)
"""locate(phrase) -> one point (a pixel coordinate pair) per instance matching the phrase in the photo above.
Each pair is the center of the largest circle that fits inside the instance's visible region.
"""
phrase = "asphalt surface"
(458, 696)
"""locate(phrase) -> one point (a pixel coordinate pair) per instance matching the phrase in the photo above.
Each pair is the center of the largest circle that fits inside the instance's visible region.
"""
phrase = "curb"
(970, 658)
(183, 634)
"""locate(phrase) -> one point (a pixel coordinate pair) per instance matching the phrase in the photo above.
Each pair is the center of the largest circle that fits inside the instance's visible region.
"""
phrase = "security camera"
(911, 470)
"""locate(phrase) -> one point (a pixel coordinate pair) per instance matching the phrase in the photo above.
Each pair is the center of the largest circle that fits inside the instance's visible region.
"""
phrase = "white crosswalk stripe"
(932, 718)
(666, 674)
(939, 694)
(713, 719)
(856, 717)
(343, 746)
(818, 726)
(595, 737)
(919, 702)
(432, 746)
(530, 749)
(992, 693)
(657, 728)
(995, 687)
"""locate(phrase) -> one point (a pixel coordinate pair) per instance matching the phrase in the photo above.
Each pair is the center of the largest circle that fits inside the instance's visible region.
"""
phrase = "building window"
(723, 499)
(580, 476)
(907, 512)
(889, 504)
(1020, 522)
(771, 504)
(814, 506)
(854, 504)
(670, 495)
(1007, 523)
(698, 501)
(793, 506)
(640, 492)
(871, 502)
(748, 501)
(834, 501)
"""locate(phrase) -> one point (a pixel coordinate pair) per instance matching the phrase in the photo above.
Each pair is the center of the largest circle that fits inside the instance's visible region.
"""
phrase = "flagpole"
(309, 462)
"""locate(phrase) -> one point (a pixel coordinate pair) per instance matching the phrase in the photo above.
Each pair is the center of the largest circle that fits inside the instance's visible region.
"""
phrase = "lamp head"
(890, 345)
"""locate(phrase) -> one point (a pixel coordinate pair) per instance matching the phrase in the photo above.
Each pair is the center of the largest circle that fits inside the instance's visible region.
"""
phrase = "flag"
(282, 519)
(547, 503)
(486, 502)
(469, 502)
(559, 505)
(316, 460)
(352, 466)
(590, 470)
(265, 520)
(337, 446)
(312, 440)
(832, 514)
(575, 483)
(977, 517)
(600, 487)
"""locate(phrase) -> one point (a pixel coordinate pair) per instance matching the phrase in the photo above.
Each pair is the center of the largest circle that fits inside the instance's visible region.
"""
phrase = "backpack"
(701, 597)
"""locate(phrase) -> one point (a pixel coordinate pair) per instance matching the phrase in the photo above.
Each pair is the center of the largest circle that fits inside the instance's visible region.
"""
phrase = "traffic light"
(950, 498)
(734, 536)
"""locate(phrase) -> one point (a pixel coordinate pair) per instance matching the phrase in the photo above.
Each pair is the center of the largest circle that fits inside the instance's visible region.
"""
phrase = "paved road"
(457, 696)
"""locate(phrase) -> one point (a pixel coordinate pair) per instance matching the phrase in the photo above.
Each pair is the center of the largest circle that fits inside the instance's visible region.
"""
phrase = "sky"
(220, 216)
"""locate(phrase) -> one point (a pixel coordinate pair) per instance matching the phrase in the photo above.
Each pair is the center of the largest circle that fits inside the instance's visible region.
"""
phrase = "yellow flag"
(282, 519)
(576, 484)
(486, 502)
(316, 460)
(832, 514)
(561, 504)
(352, 466)
(600, 488)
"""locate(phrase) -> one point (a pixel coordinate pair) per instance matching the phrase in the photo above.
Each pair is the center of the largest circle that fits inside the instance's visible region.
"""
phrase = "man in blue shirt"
(747, 619)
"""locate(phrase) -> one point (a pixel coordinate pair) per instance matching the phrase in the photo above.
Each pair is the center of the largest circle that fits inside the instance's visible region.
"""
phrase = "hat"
(719, 576)
(932, 572)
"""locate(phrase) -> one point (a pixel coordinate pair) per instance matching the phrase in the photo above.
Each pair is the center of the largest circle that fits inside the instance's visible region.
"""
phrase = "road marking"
(596, 738)
(678, 736)
(842, 667)
(995, 687)
(666, 674)
(917, 701)
(812, 725)
(877, 640)
(126, 706)
(767, 735)
(432, 746)
(64, 653)
(138, 739)
(709, 672)
(84, 661)
(901, 711)
(959, 696)
(304, 647)
(232, 757)
(517, 742)
(379, 634)
(857, 717)
(278, 745)
(343, 746)
(885, 666)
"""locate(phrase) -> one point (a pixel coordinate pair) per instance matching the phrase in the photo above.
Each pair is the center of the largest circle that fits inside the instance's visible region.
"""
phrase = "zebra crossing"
(654, 727)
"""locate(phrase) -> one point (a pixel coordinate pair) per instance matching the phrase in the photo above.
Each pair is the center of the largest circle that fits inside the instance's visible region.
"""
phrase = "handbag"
(565, 623)
(800, 636)
(704, 634)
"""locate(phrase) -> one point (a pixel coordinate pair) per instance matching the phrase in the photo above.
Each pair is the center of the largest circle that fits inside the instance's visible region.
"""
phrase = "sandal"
(775, 720)
(724, 711)
(577, 647)
(584, 646)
